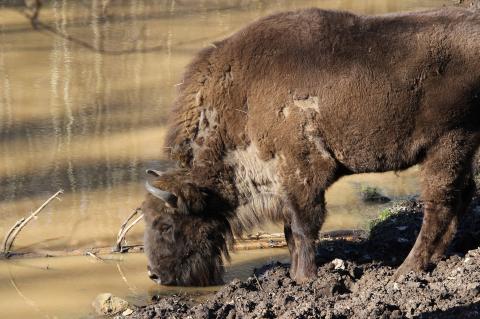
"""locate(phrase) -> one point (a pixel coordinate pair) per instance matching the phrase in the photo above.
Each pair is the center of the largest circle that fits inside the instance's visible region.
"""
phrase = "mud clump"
(354, 280)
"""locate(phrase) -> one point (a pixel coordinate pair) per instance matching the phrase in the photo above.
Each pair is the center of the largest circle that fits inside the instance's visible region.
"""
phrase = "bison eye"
(164, 228)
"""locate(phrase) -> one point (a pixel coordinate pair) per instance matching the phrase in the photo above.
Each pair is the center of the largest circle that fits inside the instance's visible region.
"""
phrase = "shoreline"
(353, 280)
(252, 241)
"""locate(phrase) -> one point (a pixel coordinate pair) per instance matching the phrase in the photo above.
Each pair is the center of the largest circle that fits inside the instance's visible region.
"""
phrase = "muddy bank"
(353, 280)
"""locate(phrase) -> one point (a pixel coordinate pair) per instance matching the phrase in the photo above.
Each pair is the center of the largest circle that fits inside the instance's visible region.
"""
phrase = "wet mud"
(353, 280)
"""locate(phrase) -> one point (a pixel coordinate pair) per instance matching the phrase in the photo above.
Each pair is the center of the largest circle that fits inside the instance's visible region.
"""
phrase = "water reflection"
(84, 99)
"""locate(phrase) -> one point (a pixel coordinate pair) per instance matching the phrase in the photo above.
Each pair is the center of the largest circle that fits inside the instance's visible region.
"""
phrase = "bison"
(267, 119)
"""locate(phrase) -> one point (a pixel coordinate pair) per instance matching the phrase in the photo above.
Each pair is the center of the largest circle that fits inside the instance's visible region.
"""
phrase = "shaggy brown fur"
(267, 119)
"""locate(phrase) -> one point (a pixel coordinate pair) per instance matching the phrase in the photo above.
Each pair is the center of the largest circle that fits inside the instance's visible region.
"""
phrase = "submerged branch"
(124, 230)
(15, 230)
(9, 233)
(89, 253)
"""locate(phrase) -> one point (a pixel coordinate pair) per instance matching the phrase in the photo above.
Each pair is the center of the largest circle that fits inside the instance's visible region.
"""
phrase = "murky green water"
(83, 104)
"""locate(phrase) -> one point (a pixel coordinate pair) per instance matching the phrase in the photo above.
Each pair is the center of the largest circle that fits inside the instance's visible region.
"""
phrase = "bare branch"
(258, 282)
(124, 224)
(35, 7)
(9, 233)
(124, 230)
(15, 230)
(89, 253)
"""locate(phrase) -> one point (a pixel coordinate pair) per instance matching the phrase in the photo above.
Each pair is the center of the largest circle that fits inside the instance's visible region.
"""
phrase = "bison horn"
(154, 172)
(169, 198)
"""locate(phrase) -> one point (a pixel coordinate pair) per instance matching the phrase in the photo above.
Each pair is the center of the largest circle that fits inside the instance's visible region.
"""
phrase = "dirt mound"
(354, 280)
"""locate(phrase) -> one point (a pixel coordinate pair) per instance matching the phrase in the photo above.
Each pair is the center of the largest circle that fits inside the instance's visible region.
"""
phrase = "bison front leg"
(305, 182)
(304, 236)
(301, 235)
(446, 192)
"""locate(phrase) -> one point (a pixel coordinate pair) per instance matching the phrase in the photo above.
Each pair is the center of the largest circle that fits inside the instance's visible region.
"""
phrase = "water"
(83, 104)
(64, 287)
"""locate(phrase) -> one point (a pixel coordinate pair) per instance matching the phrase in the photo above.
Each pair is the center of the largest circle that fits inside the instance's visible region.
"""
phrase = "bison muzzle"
(267, 119)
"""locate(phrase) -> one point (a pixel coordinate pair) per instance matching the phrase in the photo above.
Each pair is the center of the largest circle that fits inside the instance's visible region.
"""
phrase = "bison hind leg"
(446, 192)
(466, 197)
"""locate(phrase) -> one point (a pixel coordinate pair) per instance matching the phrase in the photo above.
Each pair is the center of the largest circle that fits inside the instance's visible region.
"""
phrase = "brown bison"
(267, 119)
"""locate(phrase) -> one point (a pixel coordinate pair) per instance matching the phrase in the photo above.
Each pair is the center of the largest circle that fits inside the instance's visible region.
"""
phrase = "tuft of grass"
(372, 194)
(369, 190)
(383, 216)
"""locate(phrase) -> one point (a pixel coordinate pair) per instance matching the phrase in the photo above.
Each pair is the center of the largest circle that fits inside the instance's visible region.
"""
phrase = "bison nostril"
(152, 276)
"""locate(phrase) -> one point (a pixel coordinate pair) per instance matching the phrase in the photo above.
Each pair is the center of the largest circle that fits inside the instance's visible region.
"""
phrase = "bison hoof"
(407, 267)
(304, 277)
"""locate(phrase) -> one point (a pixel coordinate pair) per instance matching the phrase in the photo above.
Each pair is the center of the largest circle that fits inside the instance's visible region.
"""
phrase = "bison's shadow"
(470, 311)
(390, 241)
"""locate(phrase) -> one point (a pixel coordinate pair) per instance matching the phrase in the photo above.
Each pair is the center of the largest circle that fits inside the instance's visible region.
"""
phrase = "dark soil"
(354, 280)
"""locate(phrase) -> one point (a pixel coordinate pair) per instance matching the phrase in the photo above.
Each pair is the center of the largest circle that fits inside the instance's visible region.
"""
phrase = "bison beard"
(267, 119)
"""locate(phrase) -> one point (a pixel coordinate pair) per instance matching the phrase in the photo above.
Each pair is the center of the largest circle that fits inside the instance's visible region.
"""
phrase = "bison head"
(185, 236)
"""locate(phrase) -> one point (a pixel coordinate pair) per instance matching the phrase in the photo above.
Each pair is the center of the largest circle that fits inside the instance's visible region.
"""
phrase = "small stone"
(107, 304)
(127, 312)
(338, 264)
(474, 288)
(402, 228)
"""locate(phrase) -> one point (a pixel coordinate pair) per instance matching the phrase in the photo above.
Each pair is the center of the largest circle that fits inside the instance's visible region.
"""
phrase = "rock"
(338, 264)
(127, 312)
(108, 304)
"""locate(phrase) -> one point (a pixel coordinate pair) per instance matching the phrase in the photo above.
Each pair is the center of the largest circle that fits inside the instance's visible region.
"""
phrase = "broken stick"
(4, 245)
(124, 230)
(15, 230)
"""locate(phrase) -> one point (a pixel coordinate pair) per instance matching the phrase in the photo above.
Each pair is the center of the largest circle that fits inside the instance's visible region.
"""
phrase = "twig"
(37, 5)
(124, 230)
(4, 245)
(124, 224)
(258, 282)
(89, 253)
(10, 238)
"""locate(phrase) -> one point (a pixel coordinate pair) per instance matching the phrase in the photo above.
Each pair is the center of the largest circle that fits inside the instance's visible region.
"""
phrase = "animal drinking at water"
(267, 119)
